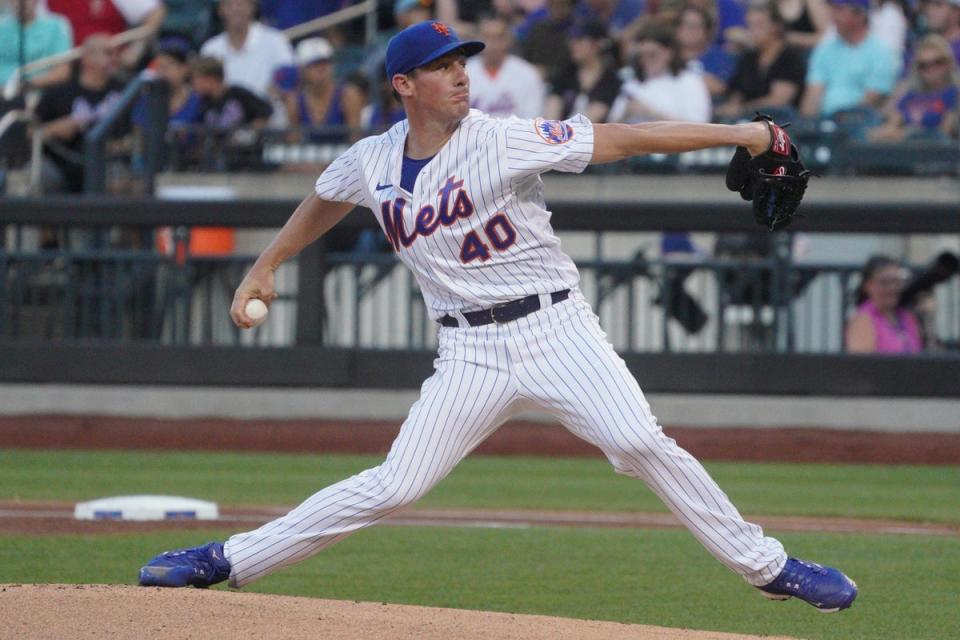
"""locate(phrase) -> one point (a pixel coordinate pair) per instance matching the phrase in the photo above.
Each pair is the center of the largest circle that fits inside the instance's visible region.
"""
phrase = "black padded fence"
(36, 359)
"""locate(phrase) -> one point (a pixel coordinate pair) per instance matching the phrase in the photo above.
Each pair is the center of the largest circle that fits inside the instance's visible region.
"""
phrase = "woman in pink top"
(880, 325)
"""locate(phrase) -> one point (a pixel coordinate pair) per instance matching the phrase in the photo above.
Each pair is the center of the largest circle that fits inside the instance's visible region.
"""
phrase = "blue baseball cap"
(424, 42)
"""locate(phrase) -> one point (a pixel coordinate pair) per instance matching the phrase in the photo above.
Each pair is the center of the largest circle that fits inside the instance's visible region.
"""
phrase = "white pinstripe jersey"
(475, 231)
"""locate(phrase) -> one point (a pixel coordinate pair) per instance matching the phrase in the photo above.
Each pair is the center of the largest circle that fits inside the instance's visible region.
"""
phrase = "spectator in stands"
(406, 13)
(225, 107)
(69, 109)
(663, 88)
(44, 35)
(853, 71)
(770, 75)
(172, 63)
(879, 324)
(464, 15)
(726, 16)
(320, 101)
(695, 33)
(384, 105)
(943, 18)
(250, 51)
(409, 12)
(888, 21)
(112, 17)
(545, 45)
(189, 19)
(502, 84)
(531, 12)
(385, 112)
(925, 105)
(534, 12)
(591, 86)
(805, 21)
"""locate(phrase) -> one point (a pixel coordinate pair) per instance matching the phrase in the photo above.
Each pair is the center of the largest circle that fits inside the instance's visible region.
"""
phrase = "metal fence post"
(780, 291)
(95, 141)
(311, 310)
(94, 165)
(155, 129)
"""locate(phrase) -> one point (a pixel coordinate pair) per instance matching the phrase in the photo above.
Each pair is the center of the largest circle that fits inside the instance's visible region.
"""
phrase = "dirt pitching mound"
(121, 611)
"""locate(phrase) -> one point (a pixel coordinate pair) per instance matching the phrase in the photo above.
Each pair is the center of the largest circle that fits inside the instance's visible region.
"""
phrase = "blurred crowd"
(882, 70)
(876, 70)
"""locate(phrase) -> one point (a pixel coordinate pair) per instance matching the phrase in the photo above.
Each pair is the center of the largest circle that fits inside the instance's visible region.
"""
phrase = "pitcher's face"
(441, 87)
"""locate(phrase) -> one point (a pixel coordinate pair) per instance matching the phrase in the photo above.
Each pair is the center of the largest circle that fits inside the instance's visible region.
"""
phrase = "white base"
(146, 507)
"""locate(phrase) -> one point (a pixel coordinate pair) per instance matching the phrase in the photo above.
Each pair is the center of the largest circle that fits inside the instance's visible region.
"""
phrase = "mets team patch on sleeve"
(553, 131)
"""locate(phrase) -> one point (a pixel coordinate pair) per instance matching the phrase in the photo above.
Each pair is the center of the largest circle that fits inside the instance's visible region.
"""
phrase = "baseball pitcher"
(459, 197)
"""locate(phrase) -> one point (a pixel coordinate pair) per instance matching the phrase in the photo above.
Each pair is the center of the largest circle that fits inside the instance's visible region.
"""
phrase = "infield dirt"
(122, 611)
(514, 438)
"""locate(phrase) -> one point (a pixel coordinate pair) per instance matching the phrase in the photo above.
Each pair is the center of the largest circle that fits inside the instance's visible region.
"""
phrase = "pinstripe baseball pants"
(557, 359)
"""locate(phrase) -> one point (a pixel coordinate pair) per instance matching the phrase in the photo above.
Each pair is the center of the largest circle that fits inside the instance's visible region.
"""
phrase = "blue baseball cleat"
(826, 588)
(198, 566)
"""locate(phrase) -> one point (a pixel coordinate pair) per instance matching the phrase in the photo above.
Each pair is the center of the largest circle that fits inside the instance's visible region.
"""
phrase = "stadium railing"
(348, 315)
(154, 94)
(827, 150)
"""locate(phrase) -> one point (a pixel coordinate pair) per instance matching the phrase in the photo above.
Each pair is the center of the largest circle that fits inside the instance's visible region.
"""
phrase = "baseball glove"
(774, 180)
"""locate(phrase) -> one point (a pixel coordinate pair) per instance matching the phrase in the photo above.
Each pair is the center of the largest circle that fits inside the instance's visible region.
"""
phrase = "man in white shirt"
(250, 51)
(502, 84)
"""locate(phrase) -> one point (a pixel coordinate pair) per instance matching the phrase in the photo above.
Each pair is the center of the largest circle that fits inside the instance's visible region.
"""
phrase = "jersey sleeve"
(340, 182)
(536, 146)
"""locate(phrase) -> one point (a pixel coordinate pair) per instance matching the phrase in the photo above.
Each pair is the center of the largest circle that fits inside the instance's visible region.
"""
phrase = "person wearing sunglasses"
(925, 104)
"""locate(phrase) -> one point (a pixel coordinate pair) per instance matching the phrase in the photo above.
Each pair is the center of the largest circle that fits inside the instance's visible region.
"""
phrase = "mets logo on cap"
(553, 131)
(422, 43)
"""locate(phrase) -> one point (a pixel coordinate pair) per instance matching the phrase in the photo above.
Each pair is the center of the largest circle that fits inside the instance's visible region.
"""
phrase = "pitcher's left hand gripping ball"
(774, 180)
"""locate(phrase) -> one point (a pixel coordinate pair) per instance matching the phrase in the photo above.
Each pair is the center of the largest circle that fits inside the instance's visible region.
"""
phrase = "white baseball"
(255, 309)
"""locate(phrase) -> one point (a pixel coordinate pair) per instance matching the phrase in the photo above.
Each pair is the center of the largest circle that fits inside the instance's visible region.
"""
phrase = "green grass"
(658, 577)
(650, 577)
(918, 493)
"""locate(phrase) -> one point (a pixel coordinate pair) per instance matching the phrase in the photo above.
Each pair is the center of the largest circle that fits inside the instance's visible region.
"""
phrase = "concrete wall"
(878, 414)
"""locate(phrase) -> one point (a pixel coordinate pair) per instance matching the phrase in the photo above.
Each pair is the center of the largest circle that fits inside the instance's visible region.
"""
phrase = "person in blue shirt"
(852, 71)
(385, 112)
(318, 104)
(44, 35)
(172, 63)
(925, 106)
(694, 33)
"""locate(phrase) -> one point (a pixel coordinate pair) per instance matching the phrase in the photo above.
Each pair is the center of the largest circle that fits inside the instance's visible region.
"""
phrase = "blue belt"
(506, 312)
